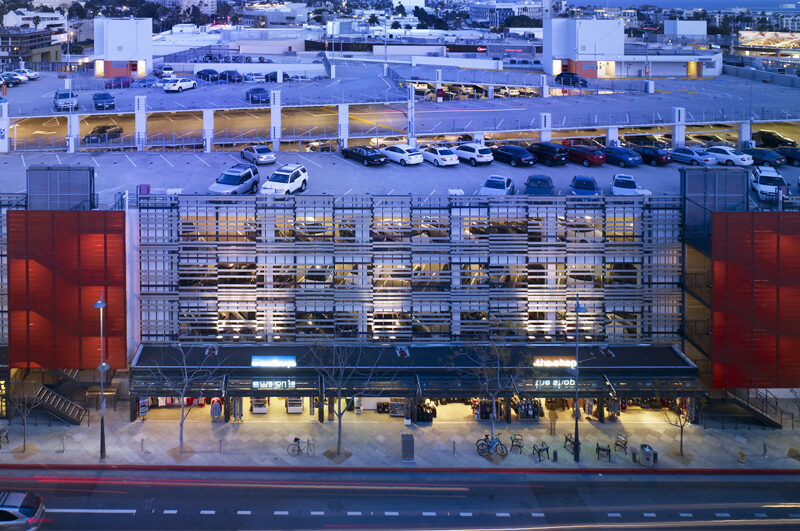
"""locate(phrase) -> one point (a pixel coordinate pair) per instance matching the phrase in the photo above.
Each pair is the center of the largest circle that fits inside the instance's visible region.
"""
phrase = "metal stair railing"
(58, 405)
(760, 401)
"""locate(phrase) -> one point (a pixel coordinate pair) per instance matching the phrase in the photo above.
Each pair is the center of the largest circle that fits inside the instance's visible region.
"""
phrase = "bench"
(3, 435)
(604, 450)
(569, 443)
(540, 449)
(621, 442)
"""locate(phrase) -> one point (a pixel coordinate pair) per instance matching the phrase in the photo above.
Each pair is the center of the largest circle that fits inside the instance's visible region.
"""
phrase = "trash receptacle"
(646, 457)
(407, 443)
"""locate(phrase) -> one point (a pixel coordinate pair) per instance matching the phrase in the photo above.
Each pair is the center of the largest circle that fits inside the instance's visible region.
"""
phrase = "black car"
(272, 77)
(549, 153)
(570, 79)
(366, 155)
(208, 74)
(257, 95)
(539, 185)
(10, 80)
(792, 154)
(514, 155)
(103, 133)
(653, 155)
(231, 76)
(772, 139)
(103, 101)
(765, 157)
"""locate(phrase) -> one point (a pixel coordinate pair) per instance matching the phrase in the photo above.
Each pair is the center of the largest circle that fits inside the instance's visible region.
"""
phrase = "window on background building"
(431, 321)
(431, 225)
(431, 276)
(474, 324)
(316, 322)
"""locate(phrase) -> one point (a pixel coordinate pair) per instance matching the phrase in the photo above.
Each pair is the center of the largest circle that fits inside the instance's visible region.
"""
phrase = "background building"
(123, 46)
(30, 45)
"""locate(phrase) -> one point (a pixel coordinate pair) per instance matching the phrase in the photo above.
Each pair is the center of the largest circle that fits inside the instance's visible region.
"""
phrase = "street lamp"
(578, 311)
(99, 305)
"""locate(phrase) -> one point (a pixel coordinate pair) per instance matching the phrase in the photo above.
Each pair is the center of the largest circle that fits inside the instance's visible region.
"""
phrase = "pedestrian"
(553, 416)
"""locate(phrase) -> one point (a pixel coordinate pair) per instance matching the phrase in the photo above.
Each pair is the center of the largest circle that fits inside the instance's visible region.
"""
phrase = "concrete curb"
(411, 468)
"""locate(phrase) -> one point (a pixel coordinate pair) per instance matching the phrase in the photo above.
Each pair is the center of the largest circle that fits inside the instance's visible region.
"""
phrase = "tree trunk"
(339, 427)
(681, 440)
(24, 433)
(493, 415)
(183, 418)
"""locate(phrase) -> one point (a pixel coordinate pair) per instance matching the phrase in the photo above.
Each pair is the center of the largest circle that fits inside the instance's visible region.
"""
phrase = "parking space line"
(649, 515)
(234, 158)
(23, 161)
(502, 515)
(208, 513)
(201, 160)
(760, 515)
(280, 513)
(722, 515)
(686, 515)
(311, 161)
(351, 163)
(171, 165)
(244, 513)
(537, 515)
(129, 160)
(170, 511)
(390, 513)
(353, 513)
(429, 513)
(58, 158)
(95, 162)
(317, 513)
(614, 515)
(465, 514)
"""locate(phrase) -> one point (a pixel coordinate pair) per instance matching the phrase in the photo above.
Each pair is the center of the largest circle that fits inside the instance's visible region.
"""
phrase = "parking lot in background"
(329, 173)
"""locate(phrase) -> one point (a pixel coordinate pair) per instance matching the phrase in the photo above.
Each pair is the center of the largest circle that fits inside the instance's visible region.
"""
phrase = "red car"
(119, 82)
(586, 155)
(653, 155)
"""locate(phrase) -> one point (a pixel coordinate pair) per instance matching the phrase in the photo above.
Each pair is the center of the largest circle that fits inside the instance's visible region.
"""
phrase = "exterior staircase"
(57, 405)
(762, 404)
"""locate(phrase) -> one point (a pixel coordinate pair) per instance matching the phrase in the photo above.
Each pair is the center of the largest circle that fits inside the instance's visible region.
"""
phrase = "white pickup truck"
(768, 184)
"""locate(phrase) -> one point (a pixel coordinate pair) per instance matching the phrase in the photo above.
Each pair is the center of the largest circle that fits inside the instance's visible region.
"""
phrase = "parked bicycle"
(488, 445)
(297, 447)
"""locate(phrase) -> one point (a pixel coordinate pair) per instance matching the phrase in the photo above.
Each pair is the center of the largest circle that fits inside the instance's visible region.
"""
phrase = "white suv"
(475, 153)
(768, 184)
(285, 180)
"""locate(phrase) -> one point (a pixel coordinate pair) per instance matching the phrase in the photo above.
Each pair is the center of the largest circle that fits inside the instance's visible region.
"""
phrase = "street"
(406, 499)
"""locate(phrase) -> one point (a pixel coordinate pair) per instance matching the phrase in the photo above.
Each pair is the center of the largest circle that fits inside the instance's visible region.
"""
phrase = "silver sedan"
(693, 156)
(258, 155)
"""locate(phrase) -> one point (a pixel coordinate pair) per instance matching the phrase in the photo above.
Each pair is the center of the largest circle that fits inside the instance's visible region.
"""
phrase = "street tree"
(192, 371)
(676, 416)
(373, 19)
(23, 400)
(395, 25)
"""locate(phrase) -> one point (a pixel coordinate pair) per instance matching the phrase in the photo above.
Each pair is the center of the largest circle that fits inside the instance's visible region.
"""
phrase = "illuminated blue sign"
(284, 362)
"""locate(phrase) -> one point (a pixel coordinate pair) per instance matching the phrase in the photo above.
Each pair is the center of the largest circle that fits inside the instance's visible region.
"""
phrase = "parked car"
(791, 154)
(10, 79)
(583, 185)
(103, 101)
(440, 156)
(231, 76)
(730, 156)
(163, 71)
(549, 153)
(497, 185)
(653, 155)
(772, 139)
(474, 153)
(768, 184)
(180, 84)
(402, 154)
(386, 141)
(765, 157)
(631, 141)
(119, 82)
(30, 74)
(103, 133)
(272, 77)
(208, 74)
(711, 139)
(624, 184)
(258, 154)
(365, 155)
(255, 77)
(285, 180)
(622, 157)
(257, 95)
(539, 185)
(21, 510)
(585, 155)
(513, 155)
(693, 156)
(65, 100)
(570, 79)
(238, 180)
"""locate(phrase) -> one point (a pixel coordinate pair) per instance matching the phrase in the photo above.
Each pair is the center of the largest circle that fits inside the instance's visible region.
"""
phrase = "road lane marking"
(502, 515)
(353, 513)
(391, 513)
(170, 511)
(722, 515)
(317, 513)
(465, 514)
(537, 515)
(649, 515)
(430, 513)
(201, 160)
(92, 511)
(129, 160)
(309, 160)
(350, 162)
(208, 512)
(171, 165)
(244, 513)
(280, 513)
(234, 158)
(686, 515)
(614, 515)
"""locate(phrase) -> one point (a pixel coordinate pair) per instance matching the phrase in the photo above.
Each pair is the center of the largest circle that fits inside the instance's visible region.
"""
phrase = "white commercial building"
(685, 28)
(207, 7)
(123, 46)
(409, 5)
(22, 18)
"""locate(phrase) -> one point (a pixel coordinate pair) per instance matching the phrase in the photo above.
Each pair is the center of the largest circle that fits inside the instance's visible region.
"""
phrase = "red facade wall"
(58, 261)
(756, 299)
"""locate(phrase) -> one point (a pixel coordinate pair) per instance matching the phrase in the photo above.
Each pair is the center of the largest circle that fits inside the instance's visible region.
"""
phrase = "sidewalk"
(374, 440)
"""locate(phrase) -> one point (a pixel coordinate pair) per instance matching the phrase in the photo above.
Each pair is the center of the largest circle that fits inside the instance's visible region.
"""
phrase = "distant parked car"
(622, 157)
(772, 139)
(365, 155)
(440, 156)
(65, 100)
(402, 154)
(539, 185)
(208, 74)
(693, 156)
(570, 79)
(730, 156)
(497, 185)
(768, 184)
(231, 76)
(30, 74)
(13, 79)
(474, 153)
(583, 185)
(163, 71)
(585, 155)
(119, 82)
(103, 133)
(180, 85)
(513, 155)
(653, 155)
(549, 153)
(286, 180)
(103, 101)
(624, 184)
(792, 154)
(257, 95)
(238, 180)
(258, 154)
(272, 77)
(255, 77)
(765, 157)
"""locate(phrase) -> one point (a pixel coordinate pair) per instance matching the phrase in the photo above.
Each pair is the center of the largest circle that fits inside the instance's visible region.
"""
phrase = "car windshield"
(102, 96)
(372, 151)
(495, 183)
(736, 152)
(769, 180)
(259, 91)
(262, 150)
(485, 151)
(228, 178)
(413, 151)
(445, 152)
(624, 183)
(538, 183)
(584, 184)
(64, 95)
(279, 177)
(701, 153)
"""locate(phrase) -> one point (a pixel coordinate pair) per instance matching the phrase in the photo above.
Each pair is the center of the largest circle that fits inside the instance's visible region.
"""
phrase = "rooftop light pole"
(578, 311)
(100, 305)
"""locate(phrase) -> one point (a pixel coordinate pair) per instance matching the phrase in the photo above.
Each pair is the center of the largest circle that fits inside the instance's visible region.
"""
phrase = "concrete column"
(134, 408)
(490, 93)
(546, 120)
(744, 130)
(545, 88)
(414, 416)
(331, 407)
(508, 409)
(275, 119)
(479, 138)
(612, 136)
(411, 125)
(385, 69)
(438, 85)
(333, 72)
(678, 127)
(140, 122)
(73, 132)
(5, 128)
(208, 130)
(601, 409)
(68, 83)
(344, 124)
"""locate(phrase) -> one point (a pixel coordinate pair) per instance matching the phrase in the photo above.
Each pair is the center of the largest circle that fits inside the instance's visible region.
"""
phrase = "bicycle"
(297, 446)
(487, 446)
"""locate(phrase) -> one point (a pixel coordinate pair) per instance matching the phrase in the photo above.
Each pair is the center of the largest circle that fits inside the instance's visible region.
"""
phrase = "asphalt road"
(407, 500)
